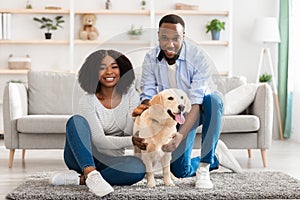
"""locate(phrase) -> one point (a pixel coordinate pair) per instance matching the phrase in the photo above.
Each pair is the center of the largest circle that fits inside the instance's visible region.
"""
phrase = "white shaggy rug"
(248, 185)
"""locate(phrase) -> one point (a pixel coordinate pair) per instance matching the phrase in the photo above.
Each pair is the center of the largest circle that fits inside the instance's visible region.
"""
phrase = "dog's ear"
(157, 99)
(156, 109)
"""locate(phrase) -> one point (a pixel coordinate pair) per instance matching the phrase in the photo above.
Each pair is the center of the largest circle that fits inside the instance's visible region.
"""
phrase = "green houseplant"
(265, 78)
(135, 33)
(50, 24)
(215, 26)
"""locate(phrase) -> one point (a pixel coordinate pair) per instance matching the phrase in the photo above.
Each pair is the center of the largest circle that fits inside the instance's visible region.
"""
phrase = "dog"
(158, 125)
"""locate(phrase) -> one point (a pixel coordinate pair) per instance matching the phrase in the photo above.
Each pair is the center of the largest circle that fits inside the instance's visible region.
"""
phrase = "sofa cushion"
(238, 99)
(42, 123)
(51, 92)
(238, 124)
(226, 84)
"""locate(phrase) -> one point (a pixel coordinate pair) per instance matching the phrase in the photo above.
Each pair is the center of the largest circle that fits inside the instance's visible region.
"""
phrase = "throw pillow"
(238, 99)
(51, 92)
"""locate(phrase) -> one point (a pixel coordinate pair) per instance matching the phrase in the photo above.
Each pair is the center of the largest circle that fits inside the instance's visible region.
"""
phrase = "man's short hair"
(172, 19)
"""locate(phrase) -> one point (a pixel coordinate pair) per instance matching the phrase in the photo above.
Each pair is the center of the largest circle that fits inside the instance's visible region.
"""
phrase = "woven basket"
(19, 62)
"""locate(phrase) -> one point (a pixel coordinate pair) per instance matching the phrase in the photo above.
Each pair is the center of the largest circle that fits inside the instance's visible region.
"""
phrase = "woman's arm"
(134, 100)
(99, 139)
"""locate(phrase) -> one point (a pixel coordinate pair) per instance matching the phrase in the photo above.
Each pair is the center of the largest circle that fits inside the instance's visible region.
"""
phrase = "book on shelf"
(1, 26)
(6, 26)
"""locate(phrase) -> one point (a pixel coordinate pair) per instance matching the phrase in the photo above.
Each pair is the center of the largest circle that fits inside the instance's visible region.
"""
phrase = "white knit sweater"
(111, 129)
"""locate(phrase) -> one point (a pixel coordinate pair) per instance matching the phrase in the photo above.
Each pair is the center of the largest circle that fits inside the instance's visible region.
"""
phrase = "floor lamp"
(267, 32)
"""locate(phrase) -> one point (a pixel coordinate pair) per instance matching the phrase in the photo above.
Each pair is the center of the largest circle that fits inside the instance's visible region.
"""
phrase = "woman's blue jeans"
(121, 170)
(182, 165)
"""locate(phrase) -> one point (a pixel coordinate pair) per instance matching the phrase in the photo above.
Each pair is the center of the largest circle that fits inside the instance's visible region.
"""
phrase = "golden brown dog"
(158, 125)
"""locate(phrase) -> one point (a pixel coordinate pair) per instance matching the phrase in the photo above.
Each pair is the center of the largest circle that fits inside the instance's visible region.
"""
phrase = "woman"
(96, 138)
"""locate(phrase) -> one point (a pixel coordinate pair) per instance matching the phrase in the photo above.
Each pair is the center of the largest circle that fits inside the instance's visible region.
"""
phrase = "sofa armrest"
(15, 105)
(263, 108)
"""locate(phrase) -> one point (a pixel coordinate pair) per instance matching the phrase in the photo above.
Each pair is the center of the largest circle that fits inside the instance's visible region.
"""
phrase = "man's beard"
(171, 61)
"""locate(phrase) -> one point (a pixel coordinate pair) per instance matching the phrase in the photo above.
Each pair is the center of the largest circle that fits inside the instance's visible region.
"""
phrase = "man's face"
(170, 37)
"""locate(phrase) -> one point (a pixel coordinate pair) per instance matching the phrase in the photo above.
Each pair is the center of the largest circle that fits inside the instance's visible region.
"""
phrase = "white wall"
(246, 51)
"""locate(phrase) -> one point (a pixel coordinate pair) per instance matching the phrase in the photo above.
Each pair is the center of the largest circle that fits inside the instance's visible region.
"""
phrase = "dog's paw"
(169, 183)
(151, 184)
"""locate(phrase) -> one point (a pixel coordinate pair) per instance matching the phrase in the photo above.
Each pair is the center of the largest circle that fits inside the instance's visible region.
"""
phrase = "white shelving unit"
(72, 42)
(66, 52)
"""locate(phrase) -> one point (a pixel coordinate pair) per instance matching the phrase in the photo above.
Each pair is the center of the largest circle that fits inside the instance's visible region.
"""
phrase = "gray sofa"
(35, 114)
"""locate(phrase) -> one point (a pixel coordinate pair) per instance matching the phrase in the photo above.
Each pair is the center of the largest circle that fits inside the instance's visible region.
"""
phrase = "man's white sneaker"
(97, 184)
(226, 159)
(65, 178)
(203, 178)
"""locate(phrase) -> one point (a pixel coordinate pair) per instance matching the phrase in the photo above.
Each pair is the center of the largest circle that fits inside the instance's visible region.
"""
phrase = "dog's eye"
(181, 97)
(171, 98)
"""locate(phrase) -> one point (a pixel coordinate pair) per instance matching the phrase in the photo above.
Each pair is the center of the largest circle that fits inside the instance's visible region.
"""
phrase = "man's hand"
(173, 144)
(139, 110)
(139, 142)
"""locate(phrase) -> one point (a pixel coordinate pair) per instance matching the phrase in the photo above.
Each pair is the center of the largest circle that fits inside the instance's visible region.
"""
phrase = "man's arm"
(140, 109)
(190, 120)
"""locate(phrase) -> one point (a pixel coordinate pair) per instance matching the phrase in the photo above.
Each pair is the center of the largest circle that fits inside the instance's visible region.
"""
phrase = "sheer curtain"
(294, 66)
(289, 67)
(283, 67)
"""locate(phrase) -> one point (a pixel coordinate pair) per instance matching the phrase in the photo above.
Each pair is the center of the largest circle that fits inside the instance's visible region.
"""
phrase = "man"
(176, 63)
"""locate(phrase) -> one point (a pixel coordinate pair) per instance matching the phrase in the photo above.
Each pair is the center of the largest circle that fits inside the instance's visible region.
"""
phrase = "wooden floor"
(283, 156)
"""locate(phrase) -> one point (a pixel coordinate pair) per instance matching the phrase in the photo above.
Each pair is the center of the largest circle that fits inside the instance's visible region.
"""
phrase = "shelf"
(213, 43)
(125, 42)
(13, 71)
(34, 42)
(35, 11)
(193, 12)
(114, 12)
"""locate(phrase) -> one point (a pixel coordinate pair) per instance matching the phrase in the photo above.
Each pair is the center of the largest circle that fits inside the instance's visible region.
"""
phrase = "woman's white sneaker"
(97, 184)
(65, 178)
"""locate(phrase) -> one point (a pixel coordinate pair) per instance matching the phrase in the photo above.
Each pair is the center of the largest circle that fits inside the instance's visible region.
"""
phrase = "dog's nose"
(181, 107)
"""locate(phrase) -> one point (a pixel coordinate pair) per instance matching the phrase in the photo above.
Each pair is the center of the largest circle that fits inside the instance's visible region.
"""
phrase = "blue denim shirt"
(193, 75)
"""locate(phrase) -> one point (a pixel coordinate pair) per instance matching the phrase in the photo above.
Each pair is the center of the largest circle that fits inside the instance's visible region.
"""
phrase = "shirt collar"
(181, 56)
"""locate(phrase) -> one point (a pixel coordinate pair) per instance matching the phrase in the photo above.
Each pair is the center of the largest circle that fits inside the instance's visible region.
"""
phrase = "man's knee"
(214, 100)
(180, 171)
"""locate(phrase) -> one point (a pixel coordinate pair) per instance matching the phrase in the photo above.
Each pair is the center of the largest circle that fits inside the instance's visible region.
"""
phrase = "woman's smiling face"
(109, 73)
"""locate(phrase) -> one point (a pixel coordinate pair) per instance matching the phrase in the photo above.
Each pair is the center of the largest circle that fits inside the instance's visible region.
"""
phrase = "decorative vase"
(108, 5)
(48, 36)
(215, 35)
(143, 4)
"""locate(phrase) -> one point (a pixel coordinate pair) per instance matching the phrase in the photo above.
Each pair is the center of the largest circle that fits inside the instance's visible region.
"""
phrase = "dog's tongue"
(179, 118)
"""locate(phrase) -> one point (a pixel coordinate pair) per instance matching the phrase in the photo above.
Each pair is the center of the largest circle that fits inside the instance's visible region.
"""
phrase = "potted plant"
(50, 24)
(28, 5)
(143, 4)
(215, 26)
(265, 78)
(135, 33)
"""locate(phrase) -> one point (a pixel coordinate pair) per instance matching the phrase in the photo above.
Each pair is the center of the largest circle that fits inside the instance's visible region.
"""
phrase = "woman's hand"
(173, 144)
(139, 142)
